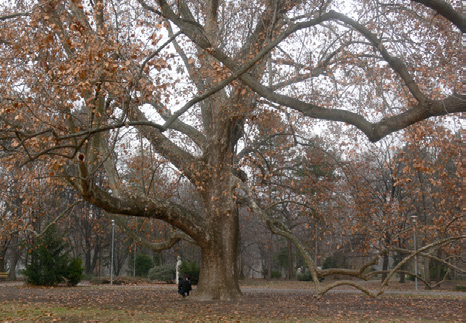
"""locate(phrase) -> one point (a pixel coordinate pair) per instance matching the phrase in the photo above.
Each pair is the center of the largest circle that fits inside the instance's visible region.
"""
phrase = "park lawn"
(40, 312)
(22, 312)
(261, 303)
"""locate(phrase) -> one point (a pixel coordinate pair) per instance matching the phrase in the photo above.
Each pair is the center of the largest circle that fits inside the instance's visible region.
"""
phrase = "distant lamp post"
(414, 218)
(113, 245)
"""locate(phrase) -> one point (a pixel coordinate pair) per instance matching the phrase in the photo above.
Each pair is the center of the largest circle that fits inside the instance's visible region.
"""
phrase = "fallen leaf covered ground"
(267, 304)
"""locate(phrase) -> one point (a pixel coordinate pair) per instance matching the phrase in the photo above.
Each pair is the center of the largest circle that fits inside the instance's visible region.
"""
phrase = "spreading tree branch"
(173, 239)
(447, 11)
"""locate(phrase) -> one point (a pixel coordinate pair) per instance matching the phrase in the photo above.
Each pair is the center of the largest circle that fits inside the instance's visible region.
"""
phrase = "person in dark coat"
(184, 286)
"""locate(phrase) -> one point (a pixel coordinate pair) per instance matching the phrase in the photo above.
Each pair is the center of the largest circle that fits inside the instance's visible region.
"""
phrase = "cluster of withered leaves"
(388, 185)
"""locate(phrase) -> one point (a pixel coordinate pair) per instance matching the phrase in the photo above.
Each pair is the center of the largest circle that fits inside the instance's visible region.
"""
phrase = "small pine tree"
(143, 264)
(74, 272)
(49, 262)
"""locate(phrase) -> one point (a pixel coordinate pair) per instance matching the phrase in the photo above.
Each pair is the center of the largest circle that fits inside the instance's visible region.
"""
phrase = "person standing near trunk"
(184, 287)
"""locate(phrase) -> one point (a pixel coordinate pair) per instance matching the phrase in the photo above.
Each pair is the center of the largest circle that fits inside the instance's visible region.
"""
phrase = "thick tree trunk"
(219, 268)
(219, 276)
(219, 242)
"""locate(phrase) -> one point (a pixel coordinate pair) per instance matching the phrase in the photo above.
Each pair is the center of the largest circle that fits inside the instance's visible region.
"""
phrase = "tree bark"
(219, 269)
(14, 258)
(87, 262)
(385, 265)
(427, 272)
(2, 259)
(402, 277)
(402, 273)
(219, 277)
(269, 258)
(290, 260)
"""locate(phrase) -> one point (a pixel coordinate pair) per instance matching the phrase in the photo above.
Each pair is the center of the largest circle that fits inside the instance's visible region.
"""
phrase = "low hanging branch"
(279, 228)
(173, 239)
(427, 255)
(396, 269)
(419, 251)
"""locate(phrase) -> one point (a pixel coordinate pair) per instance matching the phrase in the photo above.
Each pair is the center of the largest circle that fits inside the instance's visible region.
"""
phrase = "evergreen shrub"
(49, 263)
(143, 264)
(190, 268)
(164, 273)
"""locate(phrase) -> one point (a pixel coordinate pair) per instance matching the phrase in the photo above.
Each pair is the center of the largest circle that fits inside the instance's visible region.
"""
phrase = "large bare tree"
(81, 80)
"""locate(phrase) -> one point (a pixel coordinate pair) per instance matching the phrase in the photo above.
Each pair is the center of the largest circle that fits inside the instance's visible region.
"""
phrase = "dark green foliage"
(273, 273)
(164, 273)
(124, 280)
(337, 260)
(74, 273)
(305, 276)
(48, 260)
(190, 268)
(143, 264)
(276, 274)
(157, 260)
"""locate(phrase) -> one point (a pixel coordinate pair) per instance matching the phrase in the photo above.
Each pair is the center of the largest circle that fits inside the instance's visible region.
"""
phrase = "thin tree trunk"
(14, 257)
(402, 277)
(427, 272)
(385, 265)
(87, 262)
(269, 259)
(316, 248)
(290, 260)
(2, 259)
(402, 274)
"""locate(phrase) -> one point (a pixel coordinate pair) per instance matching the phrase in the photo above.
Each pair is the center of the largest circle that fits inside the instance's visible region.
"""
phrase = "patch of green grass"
(22, 312)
